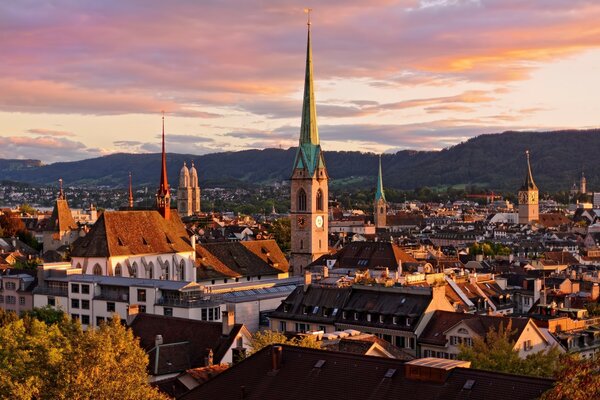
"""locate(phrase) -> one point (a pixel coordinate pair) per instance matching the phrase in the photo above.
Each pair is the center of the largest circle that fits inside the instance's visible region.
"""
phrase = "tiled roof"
(237, 259)
(369, 255)
(316, 374)
(61, 219)
(193, 338)
(439, 323)
(125, 233)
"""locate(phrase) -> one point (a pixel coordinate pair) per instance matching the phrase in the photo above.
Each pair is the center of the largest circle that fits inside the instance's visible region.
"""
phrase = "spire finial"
(130, 192)
(61, 193)
(380, 194)
(529, 183)
(308, 11)
(163, 196)
(309, 132)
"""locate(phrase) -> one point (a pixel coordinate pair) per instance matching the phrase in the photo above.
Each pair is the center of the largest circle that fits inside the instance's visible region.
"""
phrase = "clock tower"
(309, 184)
(529, 208)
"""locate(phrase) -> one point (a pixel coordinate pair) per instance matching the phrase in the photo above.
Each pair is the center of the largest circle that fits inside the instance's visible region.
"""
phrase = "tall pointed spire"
(130, 192)
(529, 184)
(309, 133)
(380, 194)
(163, 196)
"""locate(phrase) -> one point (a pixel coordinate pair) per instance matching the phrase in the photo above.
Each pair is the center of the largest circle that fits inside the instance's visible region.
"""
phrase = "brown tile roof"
(124, 233)
(553, 220)
(439, 323)
(61, 219)
(237, 259)
(562, 257)
(194, 338)
(369, 255)
(317, 374)
(363, 343)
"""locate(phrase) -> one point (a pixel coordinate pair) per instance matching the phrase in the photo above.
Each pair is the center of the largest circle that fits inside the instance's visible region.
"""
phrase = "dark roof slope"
(317, 374)
(61, 219)
(369, 255)
(193, 338)
(124, 233)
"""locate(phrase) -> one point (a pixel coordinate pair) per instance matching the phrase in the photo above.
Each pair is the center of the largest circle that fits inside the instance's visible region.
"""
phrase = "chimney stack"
(158, 340)
(325, 272)
(307, 280)
(208, 360)
(276, 355)
(595, 292)
(228, 321)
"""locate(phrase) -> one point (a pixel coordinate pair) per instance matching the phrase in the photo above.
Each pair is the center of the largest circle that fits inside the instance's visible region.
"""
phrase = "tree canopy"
(266, 338)
(576, 380)
(61, 361)
(496, 352)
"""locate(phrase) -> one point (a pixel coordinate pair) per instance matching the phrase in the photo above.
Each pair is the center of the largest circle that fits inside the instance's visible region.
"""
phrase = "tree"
(576, 380)
(11, 225)
(47, 314)
(26, 208)
(60, 361)
(266, 338)
(496, 352)
(281, 230)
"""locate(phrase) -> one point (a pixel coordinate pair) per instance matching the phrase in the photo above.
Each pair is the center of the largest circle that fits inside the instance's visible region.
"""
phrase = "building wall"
(12, 298)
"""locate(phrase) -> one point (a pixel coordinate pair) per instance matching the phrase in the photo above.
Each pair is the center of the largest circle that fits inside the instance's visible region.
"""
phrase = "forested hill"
(494, 161)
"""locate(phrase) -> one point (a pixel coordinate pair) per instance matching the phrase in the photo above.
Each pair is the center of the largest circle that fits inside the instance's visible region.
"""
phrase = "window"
(356, 316)
(407, 321)
(150, 270)
(399, 342)
(97, 269)
(323, 328)
(300, 327)
(99, 321)
(381, 319)
(133, 271)
(527, 345)
(141, 295)
(204, 314)
(142, 309)
(74, 316)
(395, 320)
(110, 307)
(319, 200)
(118, 270)
(85, 289)
(301, 200)
(51, 301)
(85, 304)
(85, 319)
(165, 270)
(74, 303)
(168, 311)
(1, 299)
(74, 288)
(369, 317)
(10, 286)
(22, 300)
(182, 270)
(282, 326)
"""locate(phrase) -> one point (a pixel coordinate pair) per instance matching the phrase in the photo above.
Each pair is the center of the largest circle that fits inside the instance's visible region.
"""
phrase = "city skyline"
(86, 79)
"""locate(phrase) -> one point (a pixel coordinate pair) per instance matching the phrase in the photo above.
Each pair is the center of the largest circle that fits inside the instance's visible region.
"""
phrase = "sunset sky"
(79, 79)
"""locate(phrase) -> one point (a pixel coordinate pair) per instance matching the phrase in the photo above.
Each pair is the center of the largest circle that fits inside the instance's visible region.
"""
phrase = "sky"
(81, 79)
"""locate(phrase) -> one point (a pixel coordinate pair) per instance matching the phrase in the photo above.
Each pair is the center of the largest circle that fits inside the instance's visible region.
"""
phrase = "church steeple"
(529, 184)
(130, 203)
(528, 198)
(61, 193)
(163, 196)
(380, 194)
(309, 133)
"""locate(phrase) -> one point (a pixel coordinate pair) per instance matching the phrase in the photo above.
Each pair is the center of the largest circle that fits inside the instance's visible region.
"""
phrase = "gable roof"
(61, 219)
(317, 374)
(185, 341)
(369, 255)
(126, 233)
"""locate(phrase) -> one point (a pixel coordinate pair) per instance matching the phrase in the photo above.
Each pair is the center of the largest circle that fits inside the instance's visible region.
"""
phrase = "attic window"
(168, 239)
(264, 251)
(334, 313)
(390, 373)
(120, 241)
(469, 384)
(286, 308)
(315, 310)
(319, 363)
(144, 241)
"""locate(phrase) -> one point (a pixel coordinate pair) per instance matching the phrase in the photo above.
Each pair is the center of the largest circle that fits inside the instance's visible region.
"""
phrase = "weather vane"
(308, 11)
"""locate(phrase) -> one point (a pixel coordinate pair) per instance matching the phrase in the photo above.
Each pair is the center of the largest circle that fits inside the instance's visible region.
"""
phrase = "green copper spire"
(309, 154)
(309, 133)
(380, 194)
(529, 184)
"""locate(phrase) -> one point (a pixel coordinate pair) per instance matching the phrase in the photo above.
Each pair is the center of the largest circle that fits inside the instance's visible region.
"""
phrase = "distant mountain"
(494, 161)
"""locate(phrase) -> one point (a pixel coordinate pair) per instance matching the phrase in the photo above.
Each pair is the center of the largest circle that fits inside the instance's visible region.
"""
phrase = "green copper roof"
(529, 184)
(380, 194)
(309, 150)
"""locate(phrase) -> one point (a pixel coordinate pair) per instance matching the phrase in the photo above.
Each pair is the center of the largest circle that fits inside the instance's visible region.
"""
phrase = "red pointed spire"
(130, 192)
(163, 197)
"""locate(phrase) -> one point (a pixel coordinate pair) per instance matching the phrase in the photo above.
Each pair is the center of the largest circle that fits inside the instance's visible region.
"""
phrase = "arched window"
(319, 200)
(150, 270)
(118, 270)
(182, 270)
(165, 271)
(301, 200)
(381, 210)
(97, 269)
(301, 244)
(133, 270)
(78, 265)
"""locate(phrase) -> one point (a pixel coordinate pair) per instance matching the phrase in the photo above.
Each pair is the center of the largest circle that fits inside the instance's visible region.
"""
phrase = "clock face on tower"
(533, 198)
(523, 197)
(319, 221)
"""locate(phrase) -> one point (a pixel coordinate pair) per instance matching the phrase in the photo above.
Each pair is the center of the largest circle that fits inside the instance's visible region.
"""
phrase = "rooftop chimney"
(228, 321)
(158, 340)
(307, 279)
(276, 355)
(325, 272)
(208, 360)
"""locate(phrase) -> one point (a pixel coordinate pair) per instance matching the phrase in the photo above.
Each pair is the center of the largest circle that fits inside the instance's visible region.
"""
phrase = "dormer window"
(395, 320)
(315, 310)
(325, 312)
(356, 316)
(286, 308)
(368, 318)
(381, 318)
(344, 314)
(408, 321)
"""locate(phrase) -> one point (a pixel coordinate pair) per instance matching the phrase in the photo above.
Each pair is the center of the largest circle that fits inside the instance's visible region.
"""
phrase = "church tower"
(583, 184)
(184, 193)
(309, 183)
(130, 199)
(163, 196)
(194, 190)
(529, 208)
(380, 205)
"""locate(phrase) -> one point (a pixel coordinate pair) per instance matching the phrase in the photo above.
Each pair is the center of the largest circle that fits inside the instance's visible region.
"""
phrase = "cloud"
(50, 132)
(47, 148)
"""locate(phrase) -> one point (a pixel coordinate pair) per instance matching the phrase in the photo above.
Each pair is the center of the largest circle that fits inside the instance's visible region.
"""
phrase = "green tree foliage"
(47, 314)
(26, 208)
(489, 249)
(281, 231)
(576, 380)
(60, 361)
(496, 352)
(266, 338)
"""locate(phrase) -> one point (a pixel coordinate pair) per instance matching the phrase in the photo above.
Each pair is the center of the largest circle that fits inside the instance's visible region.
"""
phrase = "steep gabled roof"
(125, 233)
(61, 219)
